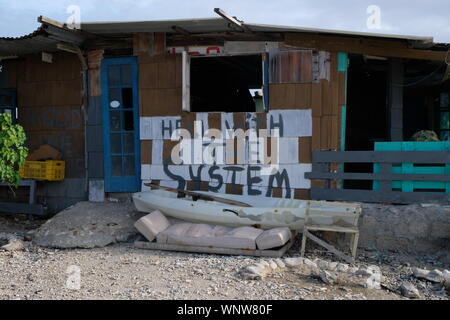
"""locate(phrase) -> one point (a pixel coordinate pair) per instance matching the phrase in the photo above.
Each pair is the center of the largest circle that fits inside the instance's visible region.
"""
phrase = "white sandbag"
(177, 229)
(273, 238)
(203, 235)
(152, 224)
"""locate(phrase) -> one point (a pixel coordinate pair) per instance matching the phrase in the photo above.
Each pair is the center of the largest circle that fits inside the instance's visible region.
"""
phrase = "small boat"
(264, 212)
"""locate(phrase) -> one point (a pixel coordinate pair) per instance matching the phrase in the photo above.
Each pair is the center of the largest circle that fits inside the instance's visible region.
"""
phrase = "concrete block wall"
(409, 228)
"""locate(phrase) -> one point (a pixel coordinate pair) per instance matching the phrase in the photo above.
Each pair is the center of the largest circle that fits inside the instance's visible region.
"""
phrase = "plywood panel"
(161, 102)
(316, 99)
(146, 151)
(327, 104)
(168, 146)
(301, 194)
(325, 132)
(305, 153)
(148, 75)
(214, 120)
(166, 74)
(233, 189)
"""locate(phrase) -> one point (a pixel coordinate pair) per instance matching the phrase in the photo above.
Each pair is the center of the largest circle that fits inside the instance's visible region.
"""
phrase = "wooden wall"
(49, 98)
(325, 98)
(316, 102)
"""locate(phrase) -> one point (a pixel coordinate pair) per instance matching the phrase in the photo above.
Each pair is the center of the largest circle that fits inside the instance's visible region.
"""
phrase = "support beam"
(42, 19)
(396, 48)
(76, 50)
(395, 104)
(239, 24)
(181, 30)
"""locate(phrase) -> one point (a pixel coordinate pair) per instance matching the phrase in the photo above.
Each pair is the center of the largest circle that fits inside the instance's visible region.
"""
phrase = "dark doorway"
(367, 117)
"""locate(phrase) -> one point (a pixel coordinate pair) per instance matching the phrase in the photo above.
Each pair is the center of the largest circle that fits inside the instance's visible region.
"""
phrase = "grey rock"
(446, 275)
(89, 225)
(273, 265)
(322, 264)
(293, 262)
(327, 277)
(409, 290)
(332, 266)
(280, 263)
(435, 275)
(309, 263)
(342, 267)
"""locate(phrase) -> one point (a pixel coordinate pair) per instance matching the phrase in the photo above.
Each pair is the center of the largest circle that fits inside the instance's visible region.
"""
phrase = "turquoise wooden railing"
(411, 186)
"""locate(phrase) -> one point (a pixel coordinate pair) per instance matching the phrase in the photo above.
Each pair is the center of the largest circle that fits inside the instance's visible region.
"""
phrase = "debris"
(327, 277)
(89, 225)
(45, 152)
(14, 245)
(435, 275)
(446, 275)
(342, 267)
(408, 290)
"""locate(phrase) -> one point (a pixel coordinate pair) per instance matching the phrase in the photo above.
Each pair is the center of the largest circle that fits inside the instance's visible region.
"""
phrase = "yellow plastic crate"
(52, 170)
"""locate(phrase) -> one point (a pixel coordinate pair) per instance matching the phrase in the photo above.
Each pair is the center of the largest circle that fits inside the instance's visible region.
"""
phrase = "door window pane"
(127, 97)
(128, 165)
(116, 162)
(114, 75)
(126, 75)
(128, 121)
(116, 143)
(114, 95)
(114, 120)
(128, 143)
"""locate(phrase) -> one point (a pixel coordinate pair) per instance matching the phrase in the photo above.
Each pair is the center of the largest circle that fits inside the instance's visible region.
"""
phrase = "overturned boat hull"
(264, 212)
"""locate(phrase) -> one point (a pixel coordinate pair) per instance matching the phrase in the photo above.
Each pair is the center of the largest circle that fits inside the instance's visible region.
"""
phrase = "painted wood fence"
(387, 175)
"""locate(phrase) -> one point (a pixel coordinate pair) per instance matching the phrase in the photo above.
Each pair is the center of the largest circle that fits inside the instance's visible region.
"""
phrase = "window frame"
(186, 77)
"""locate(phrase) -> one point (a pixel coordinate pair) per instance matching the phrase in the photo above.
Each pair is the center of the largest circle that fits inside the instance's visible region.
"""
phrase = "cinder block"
(96, 190)
(273, 238)
(152, 224)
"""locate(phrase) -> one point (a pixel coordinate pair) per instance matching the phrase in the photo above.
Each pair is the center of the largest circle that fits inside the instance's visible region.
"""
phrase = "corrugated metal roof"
(45, 38)
(205, 25)
(209, 25)
(48, 35)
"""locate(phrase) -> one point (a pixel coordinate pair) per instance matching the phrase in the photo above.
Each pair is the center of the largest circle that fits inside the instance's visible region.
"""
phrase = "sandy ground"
(122, 272)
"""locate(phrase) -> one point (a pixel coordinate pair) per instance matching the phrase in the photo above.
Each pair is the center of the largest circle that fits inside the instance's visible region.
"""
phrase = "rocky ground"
(119, 271)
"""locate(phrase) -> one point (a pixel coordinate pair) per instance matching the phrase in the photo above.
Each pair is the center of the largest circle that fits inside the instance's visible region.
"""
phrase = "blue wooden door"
(119, 79)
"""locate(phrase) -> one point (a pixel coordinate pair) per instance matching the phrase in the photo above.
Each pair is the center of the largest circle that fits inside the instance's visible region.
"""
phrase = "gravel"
(120, 271)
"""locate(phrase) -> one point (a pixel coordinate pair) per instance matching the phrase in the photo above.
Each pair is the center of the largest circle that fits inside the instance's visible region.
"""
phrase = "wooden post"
(395, 87)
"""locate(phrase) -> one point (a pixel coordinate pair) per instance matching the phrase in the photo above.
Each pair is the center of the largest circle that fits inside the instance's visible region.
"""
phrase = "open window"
(225, 83)
(8, 103)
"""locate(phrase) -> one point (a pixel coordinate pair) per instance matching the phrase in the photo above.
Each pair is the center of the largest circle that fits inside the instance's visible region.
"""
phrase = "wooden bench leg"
(354, 244)
(302, 250)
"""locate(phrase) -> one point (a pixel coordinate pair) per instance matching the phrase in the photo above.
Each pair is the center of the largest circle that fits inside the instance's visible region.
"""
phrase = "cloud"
(427, 18)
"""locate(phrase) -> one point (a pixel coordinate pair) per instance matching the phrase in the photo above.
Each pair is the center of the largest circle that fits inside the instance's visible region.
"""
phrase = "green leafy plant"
(12, 150)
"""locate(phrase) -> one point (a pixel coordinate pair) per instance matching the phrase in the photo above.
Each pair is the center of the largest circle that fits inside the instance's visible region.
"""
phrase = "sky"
(420, 18)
